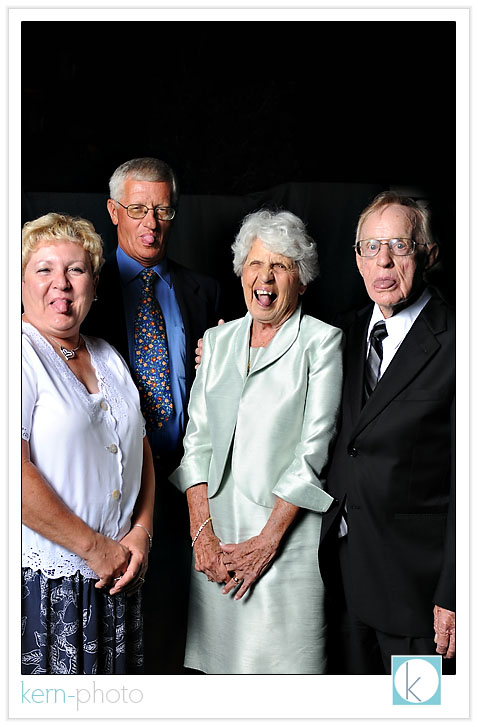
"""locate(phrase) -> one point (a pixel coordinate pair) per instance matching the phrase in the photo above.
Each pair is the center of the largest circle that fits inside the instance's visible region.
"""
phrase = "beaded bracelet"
(138, 525)
(199, 531)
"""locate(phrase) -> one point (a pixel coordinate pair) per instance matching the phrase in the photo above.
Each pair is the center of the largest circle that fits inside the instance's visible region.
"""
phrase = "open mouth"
(61, 305)
(384, 283)
(265, 297)
(148, 239)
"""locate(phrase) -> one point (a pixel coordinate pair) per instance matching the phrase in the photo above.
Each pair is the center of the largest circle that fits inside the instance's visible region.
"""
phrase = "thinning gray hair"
(281, 232)
(143, 169)
(417, 213)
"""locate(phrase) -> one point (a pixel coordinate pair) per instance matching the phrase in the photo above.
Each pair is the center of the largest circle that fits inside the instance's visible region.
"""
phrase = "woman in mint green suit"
(262, 416)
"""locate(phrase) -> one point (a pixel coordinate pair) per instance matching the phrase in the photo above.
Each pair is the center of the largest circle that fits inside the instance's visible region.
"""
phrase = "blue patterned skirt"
(71, 627)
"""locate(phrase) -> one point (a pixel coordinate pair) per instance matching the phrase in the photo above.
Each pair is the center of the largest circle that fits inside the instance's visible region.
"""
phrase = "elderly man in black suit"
(153, 310)
(387, 551)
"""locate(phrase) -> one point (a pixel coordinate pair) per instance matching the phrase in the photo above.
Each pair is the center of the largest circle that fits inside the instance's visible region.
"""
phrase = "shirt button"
(116, 494)
(104, 405)
(352, 452)
(112, 448)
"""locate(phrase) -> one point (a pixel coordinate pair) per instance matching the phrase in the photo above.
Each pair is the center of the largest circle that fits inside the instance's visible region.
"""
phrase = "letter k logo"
(416, 679)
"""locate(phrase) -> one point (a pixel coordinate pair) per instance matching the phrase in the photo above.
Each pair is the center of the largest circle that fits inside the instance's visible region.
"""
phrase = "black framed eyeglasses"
(399, 246)
(138, 211)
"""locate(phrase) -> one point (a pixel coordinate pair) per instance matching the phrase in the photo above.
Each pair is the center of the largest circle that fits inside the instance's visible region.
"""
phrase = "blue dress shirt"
(168, 438)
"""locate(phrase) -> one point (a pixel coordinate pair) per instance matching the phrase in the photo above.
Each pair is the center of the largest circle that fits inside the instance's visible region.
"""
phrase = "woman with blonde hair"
(87, 472)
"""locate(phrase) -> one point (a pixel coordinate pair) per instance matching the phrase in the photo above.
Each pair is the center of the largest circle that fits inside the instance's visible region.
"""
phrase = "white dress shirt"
(397, 327)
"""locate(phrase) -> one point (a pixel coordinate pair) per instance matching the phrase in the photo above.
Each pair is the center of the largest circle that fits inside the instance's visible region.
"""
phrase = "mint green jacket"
(280, 418)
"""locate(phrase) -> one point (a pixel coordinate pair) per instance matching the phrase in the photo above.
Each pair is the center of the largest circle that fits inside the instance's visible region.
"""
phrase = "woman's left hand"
(248, 561)
(137, 542)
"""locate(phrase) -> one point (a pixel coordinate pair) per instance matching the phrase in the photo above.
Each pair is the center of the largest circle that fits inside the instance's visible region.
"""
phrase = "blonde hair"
(55, 227)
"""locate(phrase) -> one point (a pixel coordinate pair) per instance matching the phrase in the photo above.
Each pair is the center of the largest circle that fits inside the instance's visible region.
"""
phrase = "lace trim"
(56, 565)
(106, 381)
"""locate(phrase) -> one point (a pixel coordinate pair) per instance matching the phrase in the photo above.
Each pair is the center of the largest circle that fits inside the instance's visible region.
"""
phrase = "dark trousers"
(354, 647)
(166, 588)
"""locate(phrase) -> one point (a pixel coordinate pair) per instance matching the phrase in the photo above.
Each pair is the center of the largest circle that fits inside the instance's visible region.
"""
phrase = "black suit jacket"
(198, 298)
(394, 463)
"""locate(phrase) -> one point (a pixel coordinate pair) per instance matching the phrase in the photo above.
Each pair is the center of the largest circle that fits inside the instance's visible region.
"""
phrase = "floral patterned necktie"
(151, 361)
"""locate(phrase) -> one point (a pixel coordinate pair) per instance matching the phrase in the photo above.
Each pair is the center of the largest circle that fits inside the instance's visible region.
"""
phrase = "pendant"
(67, 353)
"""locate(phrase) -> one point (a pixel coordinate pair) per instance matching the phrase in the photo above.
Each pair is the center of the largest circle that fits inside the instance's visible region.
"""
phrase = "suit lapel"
(241, 347)
(355, 363)
(185, 297)
(111, 307)
(282, 341)
(417, 348)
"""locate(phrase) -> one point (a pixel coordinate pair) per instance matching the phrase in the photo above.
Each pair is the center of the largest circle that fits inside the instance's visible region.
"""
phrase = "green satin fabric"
(252, 438)
(277, 627)
(284, 413)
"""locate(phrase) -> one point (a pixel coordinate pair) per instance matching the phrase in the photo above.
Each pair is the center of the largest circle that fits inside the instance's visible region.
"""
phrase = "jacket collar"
(418, 347)
(280, 344)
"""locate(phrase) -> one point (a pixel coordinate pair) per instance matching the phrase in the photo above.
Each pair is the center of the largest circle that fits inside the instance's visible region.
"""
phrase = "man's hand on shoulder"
(198, 350)
(444, 625)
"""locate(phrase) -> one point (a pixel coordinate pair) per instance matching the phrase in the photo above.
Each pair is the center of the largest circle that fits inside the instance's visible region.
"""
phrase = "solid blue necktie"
(151, 360)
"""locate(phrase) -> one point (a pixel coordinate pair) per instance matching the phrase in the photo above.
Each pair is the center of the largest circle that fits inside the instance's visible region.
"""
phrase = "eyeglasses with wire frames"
(399, 246)
(138, 211)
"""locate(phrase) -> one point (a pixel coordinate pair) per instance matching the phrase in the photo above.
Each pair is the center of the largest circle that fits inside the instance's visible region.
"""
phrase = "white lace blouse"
(89, 447)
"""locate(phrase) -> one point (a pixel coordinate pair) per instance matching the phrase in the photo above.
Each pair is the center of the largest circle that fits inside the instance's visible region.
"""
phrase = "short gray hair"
(281, 232)
(144, 169)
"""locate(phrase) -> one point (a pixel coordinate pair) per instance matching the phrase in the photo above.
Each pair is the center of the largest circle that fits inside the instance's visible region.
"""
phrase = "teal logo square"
(416, 679)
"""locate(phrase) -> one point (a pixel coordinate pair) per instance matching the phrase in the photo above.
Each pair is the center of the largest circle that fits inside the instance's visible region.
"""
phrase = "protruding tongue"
(384, 284)
(265, 300)
(147, 239)
(61, 305)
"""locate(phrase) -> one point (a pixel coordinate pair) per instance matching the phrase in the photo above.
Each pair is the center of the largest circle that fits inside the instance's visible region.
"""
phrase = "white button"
(116, 494)
(104, 405)
(112, 448)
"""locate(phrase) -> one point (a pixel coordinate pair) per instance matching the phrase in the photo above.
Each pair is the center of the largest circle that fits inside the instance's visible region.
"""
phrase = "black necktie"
(374, 359)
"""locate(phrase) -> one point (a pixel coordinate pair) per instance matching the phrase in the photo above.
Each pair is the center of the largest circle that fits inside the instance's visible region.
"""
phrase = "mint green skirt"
(278, 626)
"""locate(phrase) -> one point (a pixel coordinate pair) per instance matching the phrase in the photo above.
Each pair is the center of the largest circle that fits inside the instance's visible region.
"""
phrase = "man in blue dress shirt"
(142, 205)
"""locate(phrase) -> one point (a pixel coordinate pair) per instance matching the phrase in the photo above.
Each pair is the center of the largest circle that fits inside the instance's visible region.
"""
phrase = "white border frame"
(245, 697)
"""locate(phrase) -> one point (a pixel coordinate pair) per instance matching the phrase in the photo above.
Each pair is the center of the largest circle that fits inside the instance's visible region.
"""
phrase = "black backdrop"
(315, 117)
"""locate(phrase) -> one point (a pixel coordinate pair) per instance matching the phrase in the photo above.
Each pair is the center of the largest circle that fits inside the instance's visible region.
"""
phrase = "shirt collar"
(129, 269)
(399, 324)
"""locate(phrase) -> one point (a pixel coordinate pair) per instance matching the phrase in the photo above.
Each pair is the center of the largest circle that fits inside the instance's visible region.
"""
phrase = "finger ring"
(236, 579)
(118, 579)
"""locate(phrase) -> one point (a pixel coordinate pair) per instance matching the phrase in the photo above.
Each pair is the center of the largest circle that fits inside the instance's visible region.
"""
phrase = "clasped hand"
(209, 558)
(238, 565)
(121, 565)
(247, 561)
